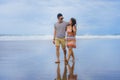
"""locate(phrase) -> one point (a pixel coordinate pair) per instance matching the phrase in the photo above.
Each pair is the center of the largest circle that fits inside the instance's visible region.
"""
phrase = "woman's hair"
(73, 22)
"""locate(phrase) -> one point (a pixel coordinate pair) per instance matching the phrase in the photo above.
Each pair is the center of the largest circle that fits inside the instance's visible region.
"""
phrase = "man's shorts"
(60, 41)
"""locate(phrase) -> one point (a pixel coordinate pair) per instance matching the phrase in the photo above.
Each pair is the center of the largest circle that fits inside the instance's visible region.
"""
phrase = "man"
(59, 36)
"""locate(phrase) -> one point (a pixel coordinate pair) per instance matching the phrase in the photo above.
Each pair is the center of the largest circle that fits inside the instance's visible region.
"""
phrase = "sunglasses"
(61, 18)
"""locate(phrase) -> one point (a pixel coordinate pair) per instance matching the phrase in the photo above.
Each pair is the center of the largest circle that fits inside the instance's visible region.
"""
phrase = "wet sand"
(96, 59)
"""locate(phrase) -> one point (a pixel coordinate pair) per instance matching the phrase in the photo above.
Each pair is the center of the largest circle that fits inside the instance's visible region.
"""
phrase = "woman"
(71, 40)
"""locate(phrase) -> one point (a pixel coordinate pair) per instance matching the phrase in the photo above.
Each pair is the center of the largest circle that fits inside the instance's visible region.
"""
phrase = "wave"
(50, 37)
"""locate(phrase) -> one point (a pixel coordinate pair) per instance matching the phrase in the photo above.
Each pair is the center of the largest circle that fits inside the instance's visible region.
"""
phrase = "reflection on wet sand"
(71, 75)
(67, 68)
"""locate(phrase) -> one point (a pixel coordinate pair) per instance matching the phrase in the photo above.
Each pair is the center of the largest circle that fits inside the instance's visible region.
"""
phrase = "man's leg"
(57, 43)
(64, 51)
(64, 48)
(58, 72)
(58, 54)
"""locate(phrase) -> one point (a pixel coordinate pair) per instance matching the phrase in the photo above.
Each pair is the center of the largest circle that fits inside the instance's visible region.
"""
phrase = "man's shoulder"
(65, 22)
(55, 23)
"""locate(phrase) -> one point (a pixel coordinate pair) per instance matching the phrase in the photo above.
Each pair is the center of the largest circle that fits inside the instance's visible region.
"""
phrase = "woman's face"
(70, 22)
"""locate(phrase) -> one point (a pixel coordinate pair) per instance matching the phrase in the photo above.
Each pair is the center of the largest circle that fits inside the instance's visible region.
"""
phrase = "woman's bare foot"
(66, 61)
(65, 58)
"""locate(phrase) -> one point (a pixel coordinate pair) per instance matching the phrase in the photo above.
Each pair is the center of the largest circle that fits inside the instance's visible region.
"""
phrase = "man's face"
(60, 19)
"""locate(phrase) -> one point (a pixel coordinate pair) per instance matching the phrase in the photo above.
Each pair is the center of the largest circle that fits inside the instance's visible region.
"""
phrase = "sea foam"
(50, 37)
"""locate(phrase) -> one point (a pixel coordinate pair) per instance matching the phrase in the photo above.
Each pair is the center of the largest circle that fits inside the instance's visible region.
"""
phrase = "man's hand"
(53, 41)
(54, 36)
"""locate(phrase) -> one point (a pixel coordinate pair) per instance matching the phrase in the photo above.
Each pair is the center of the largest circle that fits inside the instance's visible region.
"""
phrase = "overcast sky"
(39, 16)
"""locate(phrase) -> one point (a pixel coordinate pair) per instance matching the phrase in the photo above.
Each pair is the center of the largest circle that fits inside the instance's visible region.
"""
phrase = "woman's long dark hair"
(73, 22)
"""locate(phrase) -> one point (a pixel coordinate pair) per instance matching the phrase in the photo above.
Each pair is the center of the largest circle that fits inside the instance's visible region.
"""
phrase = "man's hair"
(59, 15)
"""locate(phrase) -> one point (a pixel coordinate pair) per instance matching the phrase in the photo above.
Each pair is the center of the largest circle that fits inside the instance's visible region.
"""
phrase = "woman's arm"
(74, 30)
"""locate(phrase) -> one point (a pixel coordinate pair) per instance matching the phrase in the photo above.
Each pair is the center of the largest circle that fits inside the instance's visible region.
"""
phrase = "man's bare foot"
(57, 61)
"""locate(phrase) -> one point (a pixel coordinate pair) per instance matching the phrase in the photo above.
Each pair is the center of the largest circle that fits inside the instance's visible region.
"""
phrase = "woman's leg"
(69, 53)
(73, 56)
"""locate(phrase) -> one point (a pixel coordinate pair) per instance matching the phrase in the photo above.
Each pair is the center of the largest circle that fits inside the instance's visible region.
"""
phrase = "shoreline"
(50, 37)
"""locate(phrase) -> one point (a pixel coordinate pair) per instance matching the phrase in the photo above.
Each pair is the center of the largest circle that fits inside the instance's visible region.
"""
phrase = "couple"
(61, 28)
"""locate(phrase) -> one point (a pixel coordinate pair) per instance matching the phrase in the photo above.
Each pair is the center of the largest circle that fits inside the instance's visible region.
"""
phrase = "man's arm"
(54, 36)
